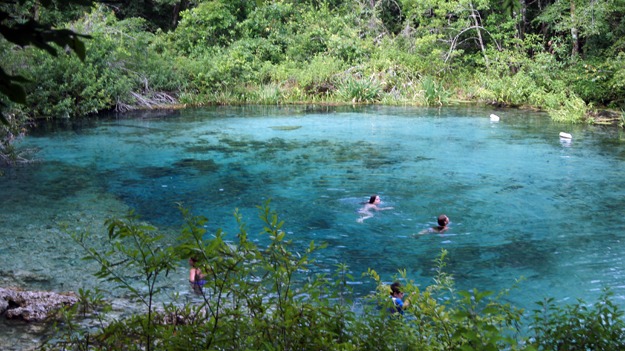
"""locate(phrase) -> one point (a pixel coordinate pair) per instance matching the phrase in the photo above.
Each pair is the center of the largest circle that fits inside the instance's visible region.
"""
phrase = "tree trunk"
(574, 31)
(478, 26)
(36, 12)
(180, 6)
(522, 19)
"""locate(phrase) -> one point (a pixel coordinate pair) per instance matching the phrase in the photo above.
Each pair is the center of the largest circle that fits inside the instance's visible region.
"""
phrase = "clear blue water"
(522, 202)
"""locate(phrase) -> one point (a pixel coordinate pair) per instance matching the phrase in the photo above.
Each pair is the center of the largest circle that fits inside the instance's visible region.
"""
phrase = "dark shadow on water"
(519, 200)
(202, 166)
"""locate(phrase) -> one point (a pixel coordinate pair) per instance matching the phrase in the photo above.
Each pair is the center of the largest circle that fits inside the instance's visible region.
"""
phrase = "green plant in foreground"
(439, 318)
(579, 326)
(91, 300)
(135, 252)
(261, 294)
(72, 334)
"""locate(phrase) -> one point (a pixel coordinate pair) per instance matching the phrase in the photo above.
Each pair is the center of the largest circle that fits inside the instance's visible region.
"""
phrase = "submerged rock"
(32, 306)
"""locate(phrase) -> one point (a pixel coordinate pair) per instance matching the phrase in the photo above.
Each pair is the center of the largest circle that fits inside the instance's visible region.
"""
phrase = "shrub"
(572, 110)
(269, 94)
(64, 87)
(119, 61)
(591, 81)
(270, 21)
(359, 90)
(220, 70)
(261, 293)
(434, 93)
(319, 76)
(579, 326)
(208, 24)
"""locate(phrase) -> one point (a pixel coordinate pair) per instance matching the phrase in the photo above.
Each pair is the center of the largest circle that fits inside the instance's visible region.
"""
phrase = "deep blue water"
(522, 201)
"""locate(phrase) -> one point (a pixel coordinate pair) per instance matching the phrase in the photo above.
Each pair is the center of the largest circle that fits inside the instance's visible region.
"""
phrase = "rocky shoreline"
(33, 306)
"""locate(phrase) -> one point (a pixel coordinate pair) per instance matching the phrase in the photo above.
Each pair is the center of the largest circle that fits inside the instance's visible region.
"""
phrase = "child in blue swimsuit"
(397, 296)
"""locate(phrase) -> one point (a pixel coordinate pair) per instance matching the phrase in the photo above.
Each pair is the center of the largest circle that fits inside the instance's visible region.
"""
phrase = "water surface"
(522, 202)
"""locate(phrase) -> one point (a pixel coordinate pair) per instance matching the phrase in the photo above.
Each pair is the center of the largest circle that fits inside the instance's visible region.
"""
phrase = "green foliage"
(483, 324)
(219, 71)
(314, 79)
(18, 26)
(272, 20)
(439, 318)
(572, 110)
(350, 49)
(63, 88)
(596, 81)
(434, 93)
(617, 83)
(359, 90)
(590, 19)
(261, 294)
(91, 301)
(579, 326)
(71, 334)
(311, 37)
(306, 51)
(511, 90)
(269, 94)
(391, 14)
(135, 252)
(537, 82)
(121, 71)
(10, 134)
(209, 24)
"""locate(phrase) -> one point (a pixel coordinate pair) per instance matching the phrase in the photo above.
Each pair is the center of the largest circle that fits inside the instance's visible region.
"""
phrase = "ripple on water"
(520, 202)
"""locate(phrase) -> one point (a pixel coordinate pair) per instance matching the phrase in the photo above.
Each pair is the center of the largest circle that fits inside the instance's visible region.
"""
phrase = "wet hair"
(441, 220)
(395, 288)
(372, 199)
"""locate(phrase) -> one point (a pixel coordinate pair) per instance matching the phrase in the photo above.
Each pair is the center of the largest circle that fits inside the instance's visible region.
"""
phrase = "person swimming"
(442, 222)
(371, 205)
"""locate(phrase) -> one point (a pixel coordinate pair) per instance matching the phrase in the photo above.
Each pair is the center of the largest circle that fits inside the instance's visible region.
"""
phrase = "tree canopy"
(565, 57)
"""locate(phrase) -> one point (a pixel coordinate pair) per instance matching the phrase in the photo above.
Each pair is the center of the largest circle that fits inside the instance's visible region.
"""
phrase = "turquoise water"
(522, 202)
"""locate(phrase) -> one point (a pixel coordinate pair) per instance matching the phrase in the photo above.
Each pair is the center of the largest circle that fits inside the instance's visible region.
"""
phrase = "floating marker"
(494, 117)
(565, 135)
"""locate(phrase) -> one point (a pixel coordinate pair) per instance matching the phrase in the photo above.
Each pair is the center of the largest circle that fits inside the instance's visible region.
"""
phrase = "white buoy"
(565, 135)
(494, 117)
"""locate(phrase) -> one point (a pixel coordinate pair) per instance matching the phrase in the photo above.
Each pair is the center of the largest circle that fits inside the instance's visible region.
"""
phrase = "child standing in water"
(196, 277)
(398, 298)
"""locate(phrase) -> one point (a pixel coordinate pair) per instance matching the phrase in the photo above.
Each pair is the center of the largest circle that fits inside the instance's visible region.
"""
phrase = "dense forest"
(67, 59)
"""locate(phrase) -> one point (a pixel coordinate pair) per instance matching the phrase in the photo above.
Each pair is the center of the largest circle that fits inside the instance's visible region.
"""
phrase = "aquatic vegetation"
(286, 128)
(198, 165)
(153, 172)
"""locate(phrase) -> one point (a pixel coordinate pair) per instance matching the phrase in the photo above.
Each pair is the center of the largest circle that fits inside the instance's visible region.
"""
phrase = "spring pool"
(522, 201)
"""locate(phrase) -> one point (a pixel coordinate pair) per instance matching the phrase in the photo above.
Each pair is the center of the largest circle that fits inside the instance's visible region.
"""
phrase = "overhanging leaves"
(42, 36)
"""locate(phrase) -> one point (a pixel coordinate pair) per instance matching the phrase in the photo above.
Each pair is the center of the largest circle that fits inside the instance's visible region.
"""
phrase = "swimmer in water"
(371, 205)
(443, 221)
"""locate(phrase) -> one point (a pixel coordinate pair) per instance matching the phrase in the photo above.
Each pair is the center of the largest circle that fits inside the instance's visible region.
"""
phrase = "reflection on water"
(522, 201)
